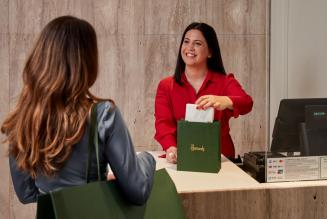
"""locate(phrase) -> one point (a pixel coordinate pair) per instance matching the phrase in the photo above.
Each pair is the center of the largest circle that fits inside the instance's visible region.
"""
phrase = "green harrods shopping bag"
(198, 146)
(103, 199)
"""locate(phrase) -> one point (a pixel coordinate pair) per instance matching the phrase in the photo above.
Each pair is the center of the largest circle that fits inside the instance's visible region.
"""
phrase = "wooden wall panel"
(225, 204)
(25, 17)
(231, 16)
(29, 17)
(241, 17)
(4, 109)
(138, 43)
(117, 17)
(166, 17)
(301, 203)
(242, 56)
(4, 17)
(122, 79)
(159, 59)
(281, 203)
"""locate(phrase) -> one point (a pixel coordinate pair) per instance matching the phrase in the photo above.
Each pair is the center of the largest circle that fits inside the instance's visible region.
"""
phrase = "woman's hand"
(217, 102)
(171, 154)
(111, 176)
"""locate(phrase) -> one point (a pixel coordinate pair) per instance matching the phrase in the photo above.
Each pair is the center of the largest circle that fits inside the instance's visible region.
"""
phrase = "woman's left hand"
(217, 102)
(110, 176)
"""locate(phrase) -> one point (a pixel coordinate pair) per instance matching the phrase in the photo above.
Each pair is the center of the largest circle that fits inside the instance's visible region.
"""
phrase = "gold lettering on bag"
(197, 148)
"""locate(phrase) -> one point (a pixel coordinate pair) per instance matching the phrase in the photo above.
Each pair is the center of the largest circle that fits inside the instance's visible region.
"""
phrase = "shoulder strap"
(93, 143)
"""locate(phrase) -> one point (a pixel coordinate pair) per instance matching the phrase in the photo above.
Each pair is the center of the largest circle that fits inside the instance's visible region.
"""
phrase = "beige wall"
(298, 57)
(138, 42)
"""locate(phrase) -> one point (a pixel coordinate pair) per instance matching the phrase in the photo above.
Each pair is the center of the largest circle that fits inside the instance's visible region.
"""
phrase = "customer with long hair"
(47, 131)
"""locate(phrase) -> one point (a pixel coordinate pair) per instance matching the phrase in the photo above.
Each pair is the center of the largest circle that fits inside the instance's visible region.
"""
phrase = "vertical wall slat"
(4, 106)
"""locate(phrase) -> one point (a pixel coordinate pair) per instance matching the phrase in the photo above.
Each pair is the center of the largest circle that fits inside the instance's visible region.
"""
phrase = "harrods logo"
(200, 148)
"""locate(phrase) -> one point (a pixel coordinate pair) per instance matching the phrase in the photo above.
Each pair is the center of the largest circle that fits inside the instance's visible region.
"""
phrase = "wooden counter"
(232, 193)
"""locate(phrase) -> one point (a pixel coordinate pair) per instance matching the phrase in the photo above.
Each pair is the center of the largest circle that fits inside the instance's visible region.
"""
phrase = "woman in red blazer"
(199, 78)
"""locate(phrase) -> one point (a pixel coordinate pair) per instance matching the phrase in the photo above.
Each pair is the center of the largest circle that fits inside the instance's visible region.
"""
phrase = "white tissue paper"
(198, 115)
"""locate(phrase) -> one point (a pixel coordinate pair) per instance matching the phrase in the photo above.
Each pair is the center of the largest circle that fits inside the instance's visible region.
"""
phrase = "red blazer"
(171, 100)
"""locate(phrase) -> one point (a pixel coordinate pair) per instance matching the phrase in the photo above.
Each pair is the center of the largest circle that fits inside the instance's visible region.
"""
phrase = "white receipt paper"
(198, 115)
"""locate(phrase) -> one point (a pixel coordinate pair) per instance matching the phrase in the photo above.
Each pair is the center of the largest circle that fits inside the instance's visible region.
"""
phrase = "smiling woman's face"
(194, 50)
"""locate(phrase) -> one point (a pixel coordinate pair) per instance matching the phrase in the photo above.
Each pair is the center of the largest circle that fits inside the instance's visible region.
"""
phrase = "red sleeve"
(242, 102)
(165, 122)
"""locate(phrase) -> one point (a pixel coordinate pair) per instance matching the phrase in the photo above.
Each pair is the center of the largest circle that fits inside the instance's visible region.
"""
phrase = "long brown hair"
(53, 106)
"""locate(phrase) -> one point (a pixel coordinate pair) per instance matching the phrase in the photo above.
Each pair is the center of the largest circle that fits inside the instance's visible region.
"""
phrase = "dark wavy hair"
(215, 62)
(54, 104)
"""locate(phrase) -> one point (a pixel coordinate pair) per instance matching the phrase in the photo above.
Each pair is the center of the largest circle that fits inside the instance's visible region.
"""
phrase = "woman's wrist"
(171, 154)
(229, 103)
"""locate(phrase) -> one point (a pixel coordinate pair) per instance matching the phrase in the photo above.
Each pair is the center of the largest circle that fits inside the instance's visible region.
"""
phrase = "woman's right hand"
(171, 154)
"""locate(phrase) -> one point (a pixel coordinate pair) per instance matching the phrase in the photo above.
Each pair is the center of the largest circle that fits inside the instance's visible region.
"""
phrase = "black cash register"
(254, 163)
(300, 129)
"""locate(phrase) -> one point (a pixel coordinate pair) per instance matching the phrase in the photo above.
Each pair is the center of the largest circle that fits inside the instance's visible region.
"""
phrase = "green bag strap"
(93, 141)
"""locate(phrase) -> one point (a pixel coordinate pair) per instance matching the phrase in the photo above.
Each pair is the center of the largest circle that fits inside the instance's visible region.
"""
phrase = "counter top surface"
(230, 177)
